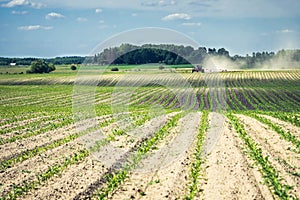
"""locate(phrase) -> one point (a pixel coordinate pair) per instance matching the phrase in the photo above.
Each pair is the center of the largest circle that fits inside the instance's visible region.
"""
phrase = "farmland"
(156, 134)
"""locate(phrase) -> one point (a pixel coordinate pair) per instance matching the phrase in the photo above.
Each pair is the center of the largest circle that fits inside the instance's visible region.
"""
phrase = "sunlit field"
(44, 155)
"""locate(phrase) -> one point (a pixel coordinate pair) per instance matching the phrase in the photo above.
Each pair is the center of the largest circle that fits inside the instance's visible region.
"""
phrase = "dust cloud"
(221, 63)
(280, 62)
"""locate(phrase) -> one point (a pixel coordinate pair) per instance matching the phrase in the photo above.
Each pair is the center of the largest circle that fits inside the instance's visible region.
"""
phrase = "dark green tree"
(73, 67)
(223, 52)
(114, 69)
(40, 66)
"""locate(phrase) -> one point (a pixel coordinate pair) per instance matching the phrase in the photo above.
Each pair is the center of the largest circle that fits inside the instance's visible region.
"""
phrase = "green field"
(49, 145)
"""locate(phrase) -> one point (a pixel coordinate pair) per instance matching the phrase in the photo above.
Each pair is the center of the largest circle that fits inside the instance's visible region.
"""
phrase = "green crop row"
(51, 126)
(113, 180)
(270, 175)
(140, 119)
(288, 117)
(26, 154)
(196, 165)
(286, 135)
(19, 190)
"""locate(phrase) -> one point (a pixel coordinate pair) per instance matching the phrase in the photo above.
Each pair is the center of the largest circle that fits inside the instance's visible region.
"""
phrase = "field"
(157, 134)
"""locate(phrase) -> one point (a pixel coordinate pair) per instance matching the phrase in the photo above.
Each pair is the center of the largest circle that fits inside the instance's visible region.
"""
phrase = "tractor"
(198, 68)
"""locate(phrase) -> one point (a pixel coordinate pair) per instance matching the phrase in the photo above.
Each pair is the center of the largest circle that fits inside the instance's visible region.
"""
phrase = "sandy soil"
(70, 183)
(28, 169)
(22, 122)
(18, 146)
(164, 173)
(280, 152)
(271, 141)
(12, 119)
(78, 178)
(228, 173)
(33, 127)
(286, 126)
(11, 149)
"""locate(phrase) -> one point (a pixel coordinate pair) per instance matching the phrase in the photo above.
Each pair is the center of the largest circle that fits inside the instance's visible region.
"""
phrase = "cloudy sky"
(48, 28)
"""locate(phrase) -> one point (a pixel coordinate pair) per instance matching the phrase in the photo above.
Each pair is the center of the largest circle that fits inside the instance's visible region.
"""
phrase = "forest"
(171, 54)
(56, 61)
(168, 54)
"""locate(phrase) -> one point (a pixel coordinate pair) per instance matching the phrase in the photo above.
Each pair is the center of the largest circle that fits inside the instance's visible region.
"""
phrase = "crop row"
(141, 119)
(19, 190)
(35, 128)
(270, 174)
(286, 135)
(114, 179)
(293, 118)
(223, 99)
(198, 157)
(26, 154)
(246, 79)
(57, 168)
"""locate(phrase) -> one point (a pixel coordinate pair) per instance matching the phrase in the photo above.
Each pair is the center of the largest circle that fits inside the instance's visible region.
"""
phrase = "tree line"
(169, 54)
(56, 61)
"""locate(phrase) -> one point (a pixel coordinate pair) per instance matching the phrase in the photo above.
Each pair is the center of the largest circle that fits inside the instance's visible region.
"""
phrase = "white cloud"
(37, 5)
(34, 27)
(54, 15)
(167, 3)
(204, 8)
(162, 3)
(176, 16)
(101, 21)
(191, 24)
(81, 19)
(19, 12)
(98, 10)
(134, 14)
(285, 31)
(14, 3)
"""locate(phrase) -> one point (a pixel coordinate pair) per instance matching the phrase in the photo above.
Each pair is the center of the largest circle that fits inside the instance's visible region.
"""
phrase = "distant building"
(12, 64)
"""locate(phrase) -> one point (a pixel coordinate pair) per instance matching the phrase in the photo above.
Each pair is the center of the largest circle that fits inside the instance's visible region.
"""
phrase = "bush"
(114, 69)
(51, 67)
(73, 67)
(40, 66)
(161, 67)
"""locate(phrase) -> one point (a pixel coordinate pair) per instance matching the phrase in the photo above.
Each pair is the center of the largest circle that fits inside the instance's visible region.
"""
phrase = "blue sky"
(49, 28)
